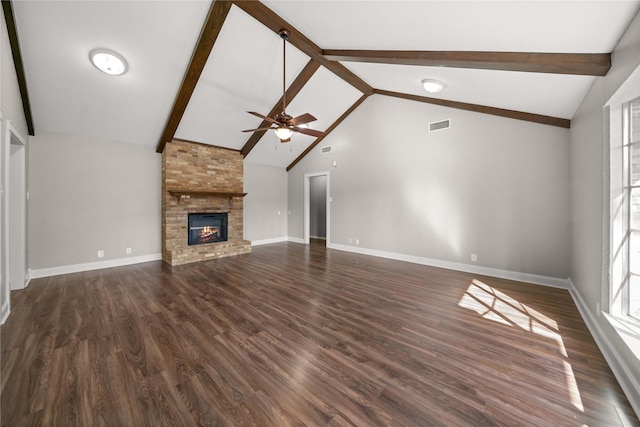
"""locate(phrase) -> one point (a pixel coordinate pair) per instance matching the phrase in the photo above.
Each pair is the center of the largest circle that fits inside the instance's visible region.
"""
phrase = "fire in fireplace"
(207, 228)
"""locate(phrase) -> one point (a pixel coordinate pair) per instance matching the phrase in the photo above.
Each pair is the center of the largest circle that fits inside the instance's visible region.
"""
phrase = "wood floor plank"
(300, 335)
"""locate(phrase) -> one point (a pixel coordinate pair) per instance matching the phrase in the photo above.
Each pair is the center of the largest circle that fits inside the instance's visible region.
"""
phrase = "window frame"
(620, 296)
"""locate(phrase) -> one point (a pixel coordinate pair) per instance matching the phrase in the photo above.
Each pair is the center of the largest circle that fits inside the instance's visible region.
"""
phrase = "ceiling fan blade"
(257, 130)
(311, 132)
(302, 119)
(269, 119)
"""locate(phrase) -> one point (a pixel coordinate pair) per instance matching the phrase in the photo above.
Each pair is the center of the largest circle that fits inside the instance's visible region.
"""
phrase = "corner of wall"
(626, 375)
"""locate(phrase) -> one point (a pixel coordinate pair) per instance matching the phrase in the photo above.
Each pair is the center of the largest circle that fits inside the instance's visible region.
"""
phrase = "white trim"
(318, 237)
(11, 133)
(76, 268)
(623, 373)
(4, 248)
(296, 240)
(5, 207)
(269, 241)
(484, 271)
(6, 310)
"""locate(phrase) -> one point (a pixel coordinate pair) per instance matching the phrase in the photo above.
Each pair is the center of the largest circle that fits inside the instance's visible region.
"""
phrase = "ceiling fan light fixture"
(108, 62)
(286, 125)
(433, 86)
(283, 133)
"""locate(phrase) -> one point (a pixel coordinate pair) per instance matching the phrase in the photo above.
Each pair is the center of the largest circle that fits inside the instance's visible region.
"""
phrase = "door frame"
(13, 137)
(5, 309)
(307, 206)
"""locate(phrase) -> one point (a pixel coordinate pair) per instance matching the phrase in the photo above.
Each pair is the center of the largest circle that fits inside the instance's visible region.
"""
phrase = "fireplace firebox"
(207, 228)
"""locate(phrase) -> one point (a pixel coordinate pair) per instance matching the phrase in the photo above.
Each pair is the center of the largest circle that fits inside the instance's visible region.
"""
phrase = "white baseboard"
(5, 312)
(269, 241)
(295, 240)
(623, 373)
(318, 237)
(76, 268)
(467, 268)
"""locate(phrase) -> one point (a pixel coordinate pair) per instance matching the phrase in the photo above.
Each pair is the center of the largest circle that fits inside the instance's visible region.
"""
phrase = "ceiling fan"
(282, 123)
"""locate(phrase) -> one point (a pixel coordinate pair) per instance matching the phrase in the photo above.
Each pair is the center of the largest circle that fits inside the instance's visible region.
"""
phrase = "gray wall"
(89, 195)
(491, 186)
(318, 206)
(265, 206)
(10, 91)
(588, 201)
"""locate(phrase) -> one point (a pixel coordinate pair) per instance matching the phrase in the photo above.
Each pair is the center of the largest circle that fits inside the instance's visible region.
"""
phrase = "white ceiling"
(243, 73)
(69, 95)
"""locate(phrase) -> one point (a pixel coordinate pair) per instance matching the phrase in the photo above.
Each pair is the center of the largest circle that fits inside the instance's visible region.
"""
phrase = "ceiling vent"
(443, 124)
(325, 150)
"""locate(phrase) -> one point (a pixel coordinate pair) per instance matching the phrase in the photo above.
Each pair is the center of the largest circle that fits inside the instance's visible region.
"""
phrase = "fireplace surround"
(206, 180)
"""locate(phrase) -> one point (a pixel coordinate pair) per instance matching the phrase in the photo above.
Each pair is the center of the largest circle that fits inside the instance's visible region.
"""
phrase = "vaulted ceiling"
(196, 67)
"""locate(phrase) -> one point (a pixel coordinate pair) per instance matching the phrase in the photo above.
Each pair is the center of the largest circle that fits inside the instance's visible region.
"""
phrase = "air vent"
(325, 150)
(443, 124)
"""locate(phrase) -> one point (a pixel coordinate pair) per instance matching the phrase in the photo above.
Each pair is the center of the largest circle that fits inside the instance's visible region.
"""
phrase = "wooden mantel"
(187, 193)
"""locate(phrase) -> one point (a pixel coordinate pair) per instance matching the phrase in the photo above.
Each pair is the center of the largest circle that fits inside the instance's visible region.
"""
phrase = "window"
(630, 298)
(620, 296)
(624, 292)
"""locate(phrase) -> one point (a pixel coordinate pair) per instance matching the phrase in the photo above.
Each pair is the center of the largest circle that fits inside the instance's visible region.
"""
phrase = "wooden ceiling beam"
(208, 36)
(328, 131)
(501, 112)
(271, 20)
(302, 79)
(588, 64)
(14, 42)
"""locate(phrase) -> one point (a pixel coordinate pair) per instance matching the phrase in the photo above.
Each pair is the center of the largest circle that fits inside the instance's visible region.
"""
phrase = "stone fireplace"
(200, 179)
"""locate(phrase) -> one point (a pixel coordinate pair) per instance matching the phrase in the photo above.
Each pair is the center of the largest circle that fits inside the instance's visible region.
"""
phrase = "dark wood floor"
(297, 335)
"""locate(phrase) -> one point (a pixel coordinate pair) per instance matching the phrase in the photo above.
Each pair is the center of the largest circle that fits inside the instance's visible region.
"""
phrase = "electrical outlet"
(357, 241)
(350, 240)
(128, 251)
(278, 212)
(474, 257)
(100, 253)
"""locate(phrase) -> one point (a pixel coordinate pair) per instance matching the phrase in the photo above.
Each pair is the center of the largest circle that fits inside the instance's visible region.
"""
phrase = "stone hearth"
(199, 178)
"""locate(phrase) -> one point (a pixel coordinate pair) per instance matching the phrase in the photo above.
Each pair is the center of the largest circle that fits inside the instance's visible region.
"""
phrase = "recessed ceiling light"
(108, 61)
(433, 86)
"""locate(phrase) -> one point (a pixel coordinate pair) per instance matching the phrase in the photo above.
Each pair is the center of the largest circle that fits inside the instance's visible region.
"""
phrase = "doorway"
(4, 280)
(316, 207)
(16, 209)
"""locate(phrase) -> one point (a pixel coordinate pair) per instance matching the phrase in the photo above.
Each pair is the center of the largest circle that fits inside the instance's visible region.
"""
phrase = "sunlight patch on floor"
(493, 304)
